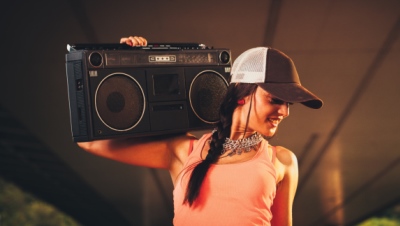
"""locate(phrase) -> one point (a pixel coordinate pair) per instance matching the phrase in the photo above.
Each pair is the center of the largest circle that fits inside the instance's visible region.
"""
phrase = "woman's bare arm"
(156, 152)
(287, 169)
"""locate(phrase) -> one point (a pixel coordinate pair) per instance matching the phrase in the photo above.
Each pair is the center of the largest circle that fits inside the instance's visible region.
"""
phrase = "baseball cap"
(276, 73)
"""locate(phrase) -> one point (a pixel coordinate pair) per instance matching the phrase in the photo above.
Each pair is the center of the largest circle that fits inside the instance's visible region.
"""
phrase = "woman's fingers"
(134, 41)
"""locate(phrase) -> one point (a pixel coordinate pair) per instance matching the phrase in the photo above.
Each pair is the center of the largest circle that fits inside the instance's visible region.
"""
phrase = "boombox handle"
(150, 46)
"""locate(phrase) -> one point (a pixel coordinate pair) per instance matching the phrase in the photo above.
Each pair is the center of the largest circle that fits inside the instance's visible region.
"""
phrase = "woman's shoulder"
(285, 164)
(183, 145)
(285, 156)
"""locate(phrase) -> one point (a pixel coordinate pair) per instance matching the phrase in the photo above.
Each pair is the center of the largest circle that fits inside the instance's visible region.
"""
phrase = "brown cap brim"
(293, 93)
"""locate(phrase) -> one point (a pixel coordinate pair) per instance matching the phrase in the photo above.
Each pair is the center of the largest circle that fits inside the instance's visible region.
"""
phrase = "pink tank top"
(231, 194)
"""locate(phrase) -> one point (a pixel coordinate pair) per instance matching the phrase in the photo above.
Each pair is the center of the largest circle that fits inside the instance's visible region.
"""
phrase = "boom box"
(119, 91)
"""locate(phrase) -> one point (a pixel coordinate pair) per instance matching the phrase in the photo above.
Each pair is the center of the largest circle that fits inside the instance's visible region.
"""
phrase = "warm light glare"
(332, 187)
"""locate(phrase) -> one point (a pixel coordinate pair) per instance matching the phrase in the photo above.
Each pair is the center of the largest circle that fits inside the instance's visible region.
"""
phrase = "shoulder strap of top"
(200, 142)
(273, 154)
(190, 146)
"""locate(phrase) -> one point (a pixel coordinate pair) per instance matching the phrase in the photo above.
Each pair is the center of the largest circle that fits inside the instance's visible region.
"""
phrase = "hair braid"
(223, 126)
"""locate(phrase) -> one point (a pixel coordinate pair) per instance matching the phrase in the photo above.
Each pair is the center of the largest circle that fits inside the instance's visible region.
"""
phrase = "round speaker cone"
(119, 102)
(95, 59)
(207, 90)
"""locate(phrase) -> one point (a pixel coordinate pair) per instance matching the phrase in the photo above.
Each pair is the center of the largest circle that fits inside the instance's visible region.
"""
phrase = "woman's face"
(266, 113)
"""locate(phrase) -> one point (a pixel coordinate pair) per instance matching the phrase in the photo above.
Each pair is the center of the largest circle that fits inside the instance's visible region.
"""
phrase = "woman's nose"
(284, 109)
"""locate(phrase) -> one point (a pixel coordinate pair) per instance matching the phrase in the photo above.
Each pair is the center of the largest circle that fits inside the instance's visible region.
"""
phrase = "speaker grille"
(206, 92)
(120, 102)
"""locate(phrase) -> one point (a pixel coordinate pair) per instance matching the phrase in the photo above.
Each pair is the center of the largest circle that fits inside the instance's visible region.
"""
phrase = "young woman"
(231, 176)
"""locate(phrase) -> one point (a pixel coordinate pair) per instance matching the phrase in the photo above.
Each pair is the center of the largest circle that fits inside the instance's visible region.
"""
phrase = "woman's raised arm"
(167, 152)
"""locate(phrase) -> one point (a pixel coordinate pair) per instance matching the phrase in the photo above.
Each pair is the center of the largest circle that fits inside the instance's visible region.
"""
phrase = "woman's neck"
(240, 134)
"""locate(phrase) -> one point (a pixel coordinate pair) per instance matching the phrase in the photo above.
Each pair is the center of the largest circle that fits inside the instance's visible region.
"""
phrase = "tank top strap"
(190, 146)
(199, 144)
(273, 154)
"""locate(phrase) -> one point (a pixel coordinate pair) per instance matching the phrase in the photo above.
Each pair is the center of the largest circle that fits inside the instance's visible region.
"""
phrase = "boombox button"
(162, 58)
(79, 84)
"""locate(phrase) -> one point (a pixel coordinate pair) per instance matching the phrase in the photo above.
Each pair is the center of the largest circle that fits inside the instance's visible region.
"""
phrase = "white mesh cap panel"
(250, 66)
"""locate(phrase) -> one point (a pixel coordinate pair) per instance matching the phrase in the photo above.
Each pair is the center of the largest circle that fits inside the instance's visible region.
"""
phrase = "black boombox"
(115, 90)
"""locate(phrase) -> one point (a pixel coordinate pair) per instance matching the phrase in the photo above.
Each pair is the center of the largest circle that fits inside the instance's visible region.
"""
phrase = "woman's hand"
(134, 41)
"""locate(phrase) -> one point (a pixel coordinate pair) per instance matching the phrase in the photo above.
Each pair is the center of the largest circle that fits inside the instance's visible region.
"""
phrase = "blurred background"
(347, 52)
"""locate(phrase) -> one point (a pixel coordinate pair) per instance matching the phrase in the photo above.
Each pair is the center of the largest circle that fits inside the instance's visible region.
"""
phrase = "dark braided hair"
(223, 126)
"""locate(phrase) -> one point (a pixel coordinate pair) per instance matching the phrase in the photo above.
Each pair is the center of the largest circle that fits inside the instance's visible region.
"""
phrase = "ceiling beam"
(272, 21)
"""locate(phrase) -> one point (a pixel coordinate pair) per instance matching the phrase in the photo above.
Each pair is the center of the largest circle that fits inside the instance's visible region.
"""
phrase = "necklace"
(241, 145)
